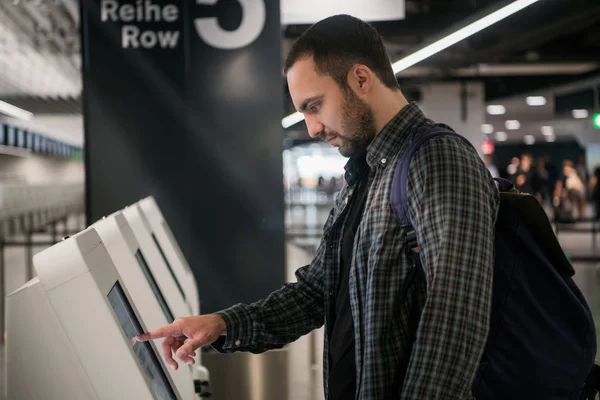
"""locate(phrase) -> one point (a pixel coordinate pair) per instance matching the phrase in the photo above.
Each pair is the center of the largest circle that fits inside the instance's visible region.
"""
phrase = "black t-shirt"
(342, 371)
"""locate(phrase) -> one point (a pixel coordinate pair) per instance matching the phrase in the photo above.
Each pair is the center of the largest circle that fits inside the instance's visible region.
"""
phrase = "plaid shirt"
(414, 339)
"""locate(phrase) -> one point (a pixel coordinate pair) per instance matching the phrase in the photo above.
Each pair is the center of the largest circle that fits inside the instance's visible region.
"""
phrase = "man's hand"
(185, 335)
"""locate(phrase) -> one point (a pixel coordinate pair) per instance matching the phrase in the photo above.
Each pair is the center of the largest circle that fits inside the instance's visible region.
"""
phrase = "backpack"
(542, 338)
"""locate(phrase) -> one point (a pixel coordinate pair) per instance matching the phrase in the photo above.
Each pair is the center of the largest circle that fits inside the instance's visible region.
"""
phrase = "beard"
(358, 123)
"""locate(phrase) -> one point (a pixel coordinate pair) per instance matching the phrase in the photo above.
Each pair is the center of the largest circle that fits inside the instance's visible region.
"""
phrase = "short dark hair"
(339, 42)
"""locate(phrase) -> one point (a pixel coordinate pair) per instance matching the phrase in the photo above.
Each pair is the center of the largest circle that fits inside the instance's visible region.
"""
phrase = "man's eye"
(314, 108)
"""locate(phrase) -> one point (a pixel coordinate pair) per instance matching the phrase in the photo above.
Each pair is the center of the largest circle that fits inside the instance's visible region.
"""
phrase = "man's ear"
(360, 78)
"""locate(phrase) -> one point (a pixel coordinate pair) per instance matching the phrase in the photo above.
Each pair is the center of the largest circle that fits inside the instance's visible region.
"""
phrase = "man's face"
(334, 115)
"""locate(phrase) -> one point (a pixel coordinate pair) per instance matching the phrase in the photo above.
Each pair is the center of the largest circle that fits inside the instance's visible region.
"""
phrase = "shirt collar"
(393, 135)
(356, 168)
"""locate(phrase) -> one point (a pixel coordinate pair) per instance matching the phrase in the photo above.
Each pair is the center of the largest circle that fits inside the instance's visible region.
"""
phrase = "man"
(389, 334)
(525, 174)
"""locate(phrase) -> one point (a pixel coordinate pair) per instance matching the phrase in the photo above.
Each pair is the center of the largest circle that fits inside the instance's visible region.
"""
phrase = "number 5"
(253, 22)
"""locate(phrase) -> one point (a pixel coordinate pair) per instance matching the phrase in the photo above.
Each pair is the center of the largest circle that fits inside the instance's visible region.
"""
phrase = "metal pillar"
(2, 294)
(54, 232)
(29, 256)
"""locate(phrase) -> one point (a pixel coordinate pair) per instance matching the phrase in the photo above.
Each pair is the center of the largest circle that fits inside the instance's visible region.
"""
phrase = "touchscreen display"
(147, 358)
(159, 296)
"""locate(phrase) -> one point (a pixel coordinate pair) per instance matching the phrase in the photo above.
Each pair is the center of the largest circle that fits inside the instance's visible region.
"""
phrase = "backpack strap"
(591, 387)
(399, 195)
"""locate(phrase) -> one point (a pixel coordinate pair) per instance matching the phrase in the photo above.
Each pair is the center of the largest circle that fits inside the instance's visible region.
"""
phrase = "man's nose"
(313, 125)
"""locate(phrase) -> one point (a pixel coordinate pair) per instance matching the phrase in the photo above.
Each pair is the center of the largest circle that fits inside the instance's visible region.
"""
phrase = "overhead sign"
(148, 24)
(311, 11)
(172, 90)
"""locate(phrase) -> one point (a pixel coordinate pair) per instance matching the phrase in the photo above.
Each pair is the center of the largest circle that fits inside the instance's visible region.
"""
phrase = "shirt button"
(238, 342)
(383, 160)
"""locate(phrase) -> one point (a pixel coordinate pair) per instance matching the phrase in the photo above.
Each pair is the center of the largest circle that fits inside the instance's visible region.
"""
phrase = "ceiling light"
(580, 114)
(501, 136)
(13, 111)
(550, 138)
(536, 101)
(496, 110)
(547, 130)
(529, 139)
(447, 41)
(487, 129)
(461, 34)
(512, 124)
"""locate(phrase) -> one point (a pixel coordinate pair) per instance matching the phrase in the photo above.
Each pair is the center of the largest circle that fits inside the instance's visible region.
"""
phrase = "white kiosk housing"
(70, 331)
(130, 261)
(172, 254)
(166, 280)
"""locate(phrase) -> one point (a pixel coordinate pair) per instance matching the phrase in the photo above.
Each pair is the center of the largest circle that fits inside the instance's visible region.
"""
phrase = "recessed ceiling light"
(512, 125)
(496, 109)
(536, 101)
(550, 138)
(529, 139)
(547, 130)
(487, 129)
(501, 136)
(580, 114)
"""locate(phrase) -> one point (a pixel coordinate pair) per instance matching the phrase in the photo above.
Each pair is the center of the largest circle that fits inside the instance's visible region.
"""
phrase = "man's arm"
(453, 204)
(285, 315)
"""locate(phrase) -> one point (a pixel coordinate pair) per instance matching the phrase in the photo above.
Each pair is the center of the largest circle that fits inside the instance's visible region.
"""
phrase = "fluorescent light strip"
(444, 43)
(461, 34)
(13, 111)
(292, 119)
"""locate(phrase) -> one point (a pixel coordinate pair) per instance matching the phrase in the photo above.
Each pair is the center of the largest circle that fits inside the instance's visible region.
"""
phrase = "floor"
(303, 376)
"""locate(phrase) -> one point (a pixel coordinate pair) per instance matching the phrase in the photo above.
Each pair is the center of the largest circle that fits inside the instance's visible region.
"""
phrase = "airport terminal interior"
(153, 166)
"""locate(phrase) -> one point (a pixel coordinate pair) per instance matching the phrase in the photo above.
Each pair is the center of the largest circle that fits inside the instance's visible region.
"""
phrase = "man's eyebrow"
(305, 103)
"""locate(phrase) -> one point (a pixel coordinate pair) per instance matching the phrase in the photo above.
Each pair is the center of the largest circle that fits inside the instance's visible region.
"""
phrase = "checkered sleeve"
(453, 204)
(285, 315)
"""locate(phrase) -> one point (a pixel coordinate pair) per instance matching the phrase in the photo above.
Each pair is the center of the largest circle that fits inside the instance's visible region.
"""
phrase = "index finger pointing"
(165, 331)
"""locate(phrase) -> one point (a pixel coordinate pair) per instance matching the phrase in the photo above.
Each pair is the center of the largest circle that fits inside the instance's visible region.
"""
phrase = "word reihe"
(144, 11)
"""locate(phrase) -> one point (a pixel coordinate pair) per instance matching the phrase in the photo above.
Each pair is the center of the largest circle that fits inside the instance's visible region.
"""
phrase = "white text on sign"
(144, 11)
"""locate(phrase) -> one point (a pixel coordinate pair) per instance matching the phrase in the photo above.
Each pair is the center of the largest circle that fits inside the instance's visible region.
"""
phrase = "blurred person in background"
(553, 174)
(581, 169)
(489, 163)
(512, 169)
(523, 177)
(595, 189)
(570, 191)
(540, 181)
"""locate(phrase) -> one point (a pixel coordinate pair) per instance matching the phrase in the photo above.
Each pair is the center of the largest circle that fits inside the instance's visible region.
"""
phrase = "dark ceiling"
(547, 32)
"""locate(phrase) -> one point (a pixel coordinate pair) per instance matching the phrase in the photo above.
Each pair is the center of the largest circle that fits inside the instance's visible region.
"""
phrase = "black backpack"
(542, 339)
